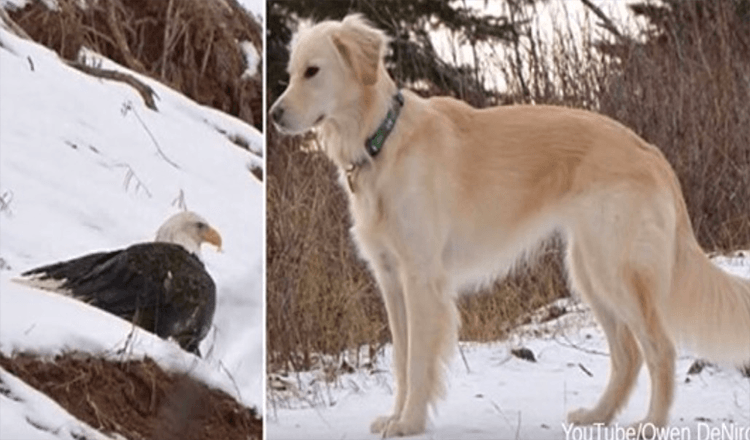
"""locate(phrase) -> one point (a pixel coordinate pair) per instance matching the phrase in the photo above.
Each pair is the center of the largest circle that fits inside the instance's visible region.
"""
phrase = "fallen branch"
(146, 92)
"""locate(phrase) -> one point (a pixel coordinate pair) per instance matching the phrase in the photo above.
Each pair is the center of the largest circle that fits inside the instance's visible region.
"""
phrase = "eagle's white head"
(189, 230)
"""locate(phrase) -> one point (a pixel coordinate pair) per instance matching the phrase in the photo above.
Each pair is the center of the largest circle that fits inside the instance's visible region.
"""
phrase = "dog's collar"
(374, 143)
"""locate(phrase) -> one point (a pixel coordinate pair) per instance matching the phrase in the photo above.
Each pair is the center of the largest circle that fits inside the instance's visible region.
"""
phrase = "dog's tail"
(708, 308)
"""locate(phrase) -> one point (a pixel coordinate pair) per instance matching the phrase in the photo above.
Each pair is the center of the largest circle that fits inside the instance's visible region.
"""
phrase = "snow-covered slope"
(495, 395)
(85, 166)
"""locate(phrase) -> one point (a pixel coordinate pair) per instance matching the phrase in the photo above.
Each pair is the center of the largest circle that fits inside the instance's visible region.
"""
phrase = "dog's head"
(330, 65)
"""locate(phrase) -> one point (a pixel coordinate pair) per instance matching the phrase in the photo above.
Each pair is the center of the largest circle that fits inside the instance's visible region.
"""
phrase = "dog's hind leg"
(432, 321)
(625, 355)
(646, 275)
(387, 277)
(658, 348)
(628, 254)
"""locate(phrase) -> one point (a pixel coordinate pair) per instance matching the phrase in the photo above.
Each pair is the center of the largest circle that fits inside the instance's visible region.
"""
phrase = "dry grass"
(490, 314)
(135, 399)
(689, 98)
(320, 298)
(190, 45)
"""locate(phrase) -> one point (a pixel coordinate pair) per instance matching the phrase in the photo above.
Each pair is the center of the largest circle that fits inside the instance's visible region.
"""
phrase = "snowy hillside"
(494, 395)
(85, 166)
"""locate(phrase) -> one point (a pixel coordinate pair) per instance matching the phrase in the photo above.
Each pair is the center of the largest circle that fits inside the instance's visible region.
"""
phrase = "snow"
(9, 4)
(20, 4)
(46, 419)
(251, 57)
(85, 167)
(255, 7)
(495, 395)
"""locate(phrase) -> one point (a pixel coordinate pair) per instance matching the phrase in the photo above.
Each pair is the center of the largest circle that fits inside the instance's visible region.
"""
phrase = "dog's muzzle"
(277, 116)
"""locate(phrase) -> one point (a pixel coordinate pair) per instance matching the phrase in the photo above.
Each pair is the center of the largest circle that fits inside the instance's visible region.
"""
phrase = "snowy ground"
(498, 396)
(84, 167)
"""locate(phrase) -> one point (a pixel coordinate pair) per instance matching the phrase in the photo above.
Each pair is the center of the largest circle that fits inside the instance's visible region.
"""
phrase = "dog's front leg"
(431, 319)
(388, 279)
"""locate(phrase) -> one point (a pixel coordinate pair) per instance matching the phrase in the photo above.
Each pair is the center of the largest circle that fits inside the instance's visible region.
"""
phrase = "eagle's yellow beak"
(213, 237)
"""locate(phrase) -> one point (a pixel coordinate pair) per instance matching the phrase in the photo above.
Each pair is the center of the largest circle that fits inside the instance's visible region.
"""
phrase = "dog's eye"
(311, 71)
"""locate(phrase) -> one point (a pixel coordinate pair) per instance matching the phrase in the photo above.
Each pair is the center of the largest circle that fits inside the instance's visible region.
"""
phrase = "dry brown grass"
(690, 99)
(135, 399)
(491, 313)
(320, 298)
(190, 45)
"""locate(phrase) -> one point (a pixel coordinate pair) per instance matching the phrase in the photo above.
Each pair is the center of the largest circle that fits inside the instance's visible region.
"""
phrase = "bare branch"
(607, 23)
(128, 107)
(146, 92)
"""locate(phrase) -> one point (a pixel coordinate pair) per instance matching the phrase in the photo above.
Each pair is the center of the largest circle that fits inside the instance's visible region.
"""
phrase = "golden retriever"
(455, 195)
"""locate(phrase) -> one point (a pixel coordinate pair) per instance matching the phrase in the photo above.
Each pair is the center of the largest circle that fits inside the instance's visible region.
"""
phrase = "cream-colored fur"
(458, 194)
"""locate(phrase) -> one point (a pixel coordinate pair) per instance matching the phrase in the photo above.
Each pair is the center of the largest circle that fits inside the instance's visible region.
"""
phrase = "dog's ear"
(361, 47)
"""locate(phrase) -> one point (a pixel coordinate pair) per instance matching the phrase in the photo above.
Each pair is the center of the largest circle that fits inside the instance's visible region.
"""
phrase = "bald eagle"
(161, 286)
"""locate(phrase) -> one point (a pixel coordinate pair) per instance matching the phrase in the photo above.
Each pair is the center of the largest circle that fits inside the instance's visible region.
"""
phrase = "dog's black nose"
(277, 113)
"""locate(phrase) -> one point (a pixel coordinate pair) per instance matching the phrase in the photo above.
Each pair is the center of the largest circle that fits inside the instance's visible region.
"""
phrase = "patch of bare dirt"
(136, 399)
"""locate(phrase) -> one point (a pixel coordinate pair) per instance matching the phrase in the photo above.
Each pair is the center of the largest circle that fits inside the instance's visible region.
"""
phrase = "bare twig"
(122, 43)
(502, 414)
(167, 37)
(206, 56)
(146, 92)
(130, 175)
(585, 370)
(466, 363)
(127, 347)
(179, 201)
(570, 344)
(231, 379)
(606, 21)
(5, 200)
(128, 107)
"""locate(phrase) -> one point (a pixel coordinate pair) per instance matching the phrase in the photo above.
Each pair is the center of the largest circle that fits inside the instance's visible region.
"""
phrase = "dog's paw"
(401, 428)
(583, 416)
(379, 424)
